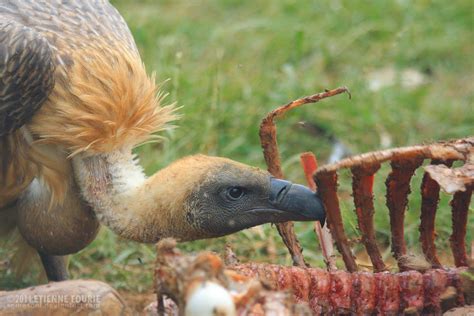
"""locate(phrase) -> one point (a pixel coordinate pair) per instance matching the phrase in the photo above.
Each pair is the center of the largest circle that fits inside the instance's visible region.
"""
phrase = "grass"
(230, 62)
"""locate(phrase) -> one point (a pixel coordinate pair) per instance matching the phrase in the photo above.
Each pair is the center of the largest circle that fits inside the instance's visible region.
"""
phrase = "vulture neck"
(123, 198)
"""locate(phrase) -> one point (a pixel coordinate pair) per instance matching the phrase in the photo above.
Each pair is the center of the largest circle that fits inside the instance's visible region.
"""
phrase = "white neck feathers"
(111, 184)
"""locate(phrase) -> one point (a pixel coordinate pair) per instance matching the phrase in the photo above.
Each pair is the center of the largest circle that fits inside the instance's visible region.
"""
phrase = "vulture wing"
(26, 74)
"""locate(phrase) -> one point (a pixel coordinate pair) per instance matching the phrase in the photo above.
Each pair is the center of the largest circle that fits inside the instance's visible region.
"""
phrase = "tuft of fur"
(104, 102)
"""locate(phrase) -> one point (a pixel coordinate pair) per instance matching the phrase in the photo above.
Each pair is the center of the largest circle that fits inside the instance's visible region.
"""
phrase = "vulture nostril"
(282, 193)
(279, 190)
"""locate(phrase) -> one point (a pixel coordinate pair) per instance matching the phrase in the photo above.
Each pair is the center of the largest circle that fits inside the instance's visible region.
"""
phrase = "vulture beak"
(298, 202)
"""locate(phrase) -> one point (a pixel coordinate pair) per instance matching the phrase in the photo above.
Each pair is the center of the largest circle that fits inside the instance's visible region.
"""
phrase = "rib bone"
(429, 203)
(362, 185)
(398, 189)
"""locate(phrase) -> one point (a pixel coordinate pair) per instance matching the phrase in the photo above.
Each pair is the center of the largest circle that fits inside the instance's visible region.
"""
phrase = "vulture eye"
(235, 193)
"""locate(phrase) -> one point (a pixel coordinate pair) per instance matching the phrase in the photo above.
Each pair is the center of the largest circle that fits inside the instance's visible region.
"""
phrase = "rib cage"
(353, 292)
(382, 292)
(404, 162)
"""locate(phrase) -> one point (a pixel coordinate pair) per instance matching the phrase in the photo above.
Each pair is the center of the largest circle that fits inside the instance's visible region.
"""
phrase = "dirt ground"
(138, 301)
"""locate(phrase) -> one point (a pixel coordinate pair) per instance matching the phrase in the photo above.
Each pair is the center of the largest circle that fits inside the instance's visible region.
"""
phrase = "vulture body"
(75, 99)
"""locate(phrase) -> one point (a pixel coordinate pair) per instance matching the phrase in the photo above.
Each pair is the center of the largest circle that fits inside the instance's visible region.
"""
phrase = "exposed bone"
(454, 150)
(404, 162)
(460, 210)
(327, 184)
(268, 141)
(398, 189)
(408, 292)
(310, 165)
(362, 187)
(429, 203)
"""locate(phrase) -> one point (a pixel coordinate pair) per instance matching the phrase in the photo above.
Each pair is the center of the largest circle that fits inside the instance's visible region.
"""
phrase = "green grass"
(230, 62)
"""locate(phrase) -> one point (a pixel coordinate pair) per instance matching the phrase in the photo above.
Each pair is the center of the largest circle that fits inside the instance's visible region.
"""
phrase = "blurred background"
(227, 63)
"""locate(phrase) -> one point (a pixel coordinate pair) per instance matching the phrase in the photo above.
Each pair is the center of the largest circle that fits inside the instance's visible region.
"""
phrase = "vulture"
(75, 99)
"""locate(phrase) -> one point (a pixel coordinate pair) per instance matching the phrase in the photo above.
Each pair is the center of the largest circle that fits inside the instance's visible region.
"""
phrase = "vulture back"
(83, 88)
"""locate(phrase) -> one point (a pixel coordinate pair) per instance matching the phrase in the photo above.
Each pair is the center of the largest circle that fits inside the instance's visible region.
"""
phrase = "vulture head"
(194, 198)
(226, 196)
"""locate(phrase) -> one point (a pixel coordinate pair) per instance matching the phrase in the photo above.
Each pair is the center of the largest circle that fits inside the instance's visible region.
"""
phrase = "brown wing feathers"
(26, 75)
(102, 99)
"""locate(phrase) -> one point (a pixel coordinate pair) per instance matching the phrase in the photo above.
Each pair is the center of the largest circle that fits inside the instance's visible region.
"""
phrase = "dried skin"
(454, 150)
(455, 281)
(454, 180)
(300, 283)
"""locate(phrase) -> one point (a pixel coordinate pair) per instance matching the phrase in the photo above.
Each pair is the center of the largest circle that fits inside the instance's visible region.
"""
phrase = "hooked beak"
(298, 202)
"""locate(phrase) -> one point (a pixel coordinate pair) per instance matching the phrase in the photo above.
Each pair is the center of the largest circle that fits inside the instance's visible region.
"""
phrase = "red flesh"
(362, 188)
(411, 291)
(398, 189)
(360, 292)
(327, 184)
(460, 209)
(434, 283)
(429, 203)
(363, 293)
(388, 298)
(340, 294)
